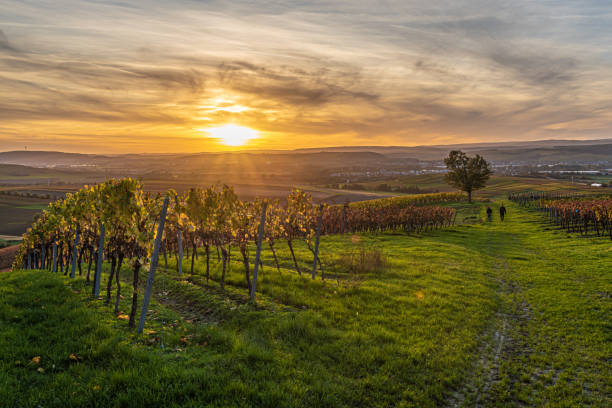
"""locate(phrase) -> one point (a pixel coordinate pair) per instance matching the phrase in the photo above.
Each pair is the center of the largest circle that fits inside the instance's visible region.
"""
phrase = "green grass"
(496, 186)
(489, 314)
(17, 215)
(33, 206)
(6, 243)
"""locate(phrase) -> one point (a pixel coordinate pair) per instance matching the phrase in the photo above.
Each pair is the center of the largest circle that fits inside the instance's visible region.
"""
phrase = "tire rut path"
(499, 341)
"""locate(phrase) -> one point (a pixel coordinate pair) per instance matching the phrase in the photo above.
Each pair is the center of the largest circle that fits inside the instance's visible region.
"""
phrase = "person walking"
(489, 213)
(502, 212)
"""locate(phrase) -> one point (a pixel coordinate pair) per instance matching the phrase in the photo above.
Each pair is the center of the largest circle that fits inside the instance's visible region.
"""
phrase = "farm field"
(480, 314)
(495, 186)
(16, 214)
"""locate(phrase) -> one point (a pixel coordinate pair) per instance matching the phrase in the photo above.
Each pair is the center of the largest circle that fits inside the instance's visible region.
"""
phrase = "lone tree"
(466, 173)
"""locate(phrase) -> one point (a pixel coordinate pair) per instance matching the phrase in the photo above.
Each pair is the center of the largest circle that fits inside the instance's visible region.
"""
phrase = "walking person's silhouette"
(502, 212)
(489, 213)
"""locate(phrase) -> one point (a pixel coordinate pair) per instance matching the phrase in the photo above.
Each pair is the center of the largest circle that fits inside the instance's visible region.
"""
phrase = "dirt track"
(7, 255)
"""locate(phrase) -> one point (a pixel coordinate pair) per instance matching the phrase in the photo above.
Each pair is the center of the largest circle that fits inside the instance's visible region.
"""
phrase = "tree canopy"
(467, 173)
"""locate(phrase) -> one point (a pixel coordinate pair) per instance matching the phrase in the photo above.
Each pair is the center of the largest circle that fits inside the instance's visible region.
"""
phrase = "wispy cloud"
(304, 73)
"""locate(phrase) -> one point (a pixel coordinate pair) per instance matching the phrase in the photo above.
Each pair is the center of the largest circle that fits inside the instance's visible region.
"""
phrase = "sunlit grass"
(410, 335)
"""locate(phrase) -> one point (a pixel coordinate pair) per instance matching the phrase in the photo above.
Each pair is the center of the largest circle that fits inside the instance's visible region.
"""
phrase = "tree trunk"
(179, 256)
(89, 266)
(110, 278)
(75, 252)
(80, 261)
(207, 247)
(247, 269)
(98, 272)
(224, 259)
(55, 253)
(93, 287)
(193, 258)
(68, 258)
(293, 256)
(42, 257)
(274, 255)
(118, 284)
(132, 322)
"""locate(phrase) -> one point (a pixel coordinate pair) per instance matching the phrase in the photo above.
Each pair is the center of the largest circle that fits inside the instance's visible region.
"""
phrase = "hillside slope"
(493, 314)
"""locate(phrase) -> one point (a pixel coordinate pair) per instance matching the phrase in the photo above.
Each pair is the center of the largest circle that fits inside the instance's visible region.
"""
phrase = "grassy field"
(495, 186)
(6, 243)
(485, 314)
(17, 214)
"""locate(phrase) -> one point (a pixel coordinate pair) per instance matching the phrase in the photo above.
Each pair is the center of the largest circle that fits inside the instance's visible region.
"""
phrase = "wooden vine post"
(260, 235)
(54, 266)
(75, 252)
(344, 223)
(154, 259)
(98, 275)
(317, 237)
(180, 253)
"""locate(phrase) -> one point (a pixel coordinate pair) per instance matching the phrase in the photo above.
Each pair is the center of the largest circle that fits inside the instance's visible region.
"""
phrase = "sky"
(164, 76)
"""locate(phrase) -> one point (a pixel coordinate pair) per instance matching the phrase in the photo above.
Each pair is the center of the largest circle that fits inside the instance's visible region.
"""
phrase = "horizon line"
(247, 150)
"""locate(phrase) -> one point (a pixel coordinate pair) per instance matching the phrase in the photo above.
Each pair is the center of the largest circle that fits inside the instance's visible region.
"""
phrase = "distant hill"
(314, 159)
(221, 162)
(532, 151)
(580, 153)
(48, 159)
(15, 170)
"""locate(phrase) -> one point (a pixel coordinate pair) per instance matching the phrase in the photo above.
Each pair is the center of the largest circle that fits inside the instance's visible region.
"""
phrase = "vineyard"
(481, 314)
(116, 222)
(411, 200)
(577, 213)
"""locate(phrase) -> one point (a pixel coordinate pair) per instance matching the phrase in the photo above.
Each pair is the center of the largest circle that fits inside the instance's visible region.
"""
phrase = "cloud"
(332, 72)
(3, 40)
(537, 69)
(4, 43)
(292, 85)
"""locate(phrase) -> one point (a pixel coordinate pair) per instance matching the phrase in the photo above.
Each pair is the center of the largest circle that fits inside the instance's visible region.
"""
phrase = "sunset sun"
(232, 135)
